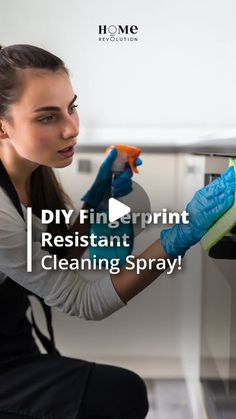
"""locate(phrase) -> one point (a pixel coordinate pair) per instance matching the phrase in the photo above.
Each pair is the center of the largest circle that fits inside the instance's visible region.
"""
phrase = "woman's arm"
(83, 229)
(207, 205)
(126, 283)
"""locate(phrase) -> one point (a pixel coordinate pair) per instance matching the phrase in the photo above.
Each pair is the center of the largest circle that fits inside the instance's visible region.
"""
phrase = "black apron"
(33, 384)
(15, 329)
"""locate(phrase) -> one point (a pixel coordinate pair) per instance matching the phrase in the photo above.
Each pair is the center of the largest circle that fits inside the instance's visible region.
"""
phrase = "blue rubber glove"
(122, 183)
(104, 185)
(207, 205)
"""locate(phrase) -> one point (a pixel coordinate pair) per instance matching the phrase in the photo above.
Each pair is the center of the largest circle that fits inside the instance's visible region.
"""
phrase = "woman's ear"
(3, 131)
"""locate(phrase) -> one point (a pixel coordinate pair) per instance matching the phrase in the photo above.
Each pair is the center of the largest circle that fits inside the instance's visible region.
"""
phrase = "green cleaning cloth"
(223, 225)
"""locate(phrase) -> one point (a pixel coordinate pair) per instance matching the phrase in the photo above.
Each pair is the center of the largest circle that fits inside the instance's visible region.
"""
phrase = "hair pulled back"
(46, 191)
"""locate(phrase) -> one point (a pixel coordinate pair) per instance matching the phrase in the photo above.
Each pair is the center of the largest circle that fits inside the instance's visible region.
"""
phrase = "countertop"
(153, 139)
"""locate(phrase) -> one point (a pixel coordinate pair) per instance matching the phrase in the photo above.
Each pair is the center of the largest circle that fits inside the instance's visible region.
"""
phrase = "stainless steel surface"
(218, 352)
(218, 149)
(215, 154)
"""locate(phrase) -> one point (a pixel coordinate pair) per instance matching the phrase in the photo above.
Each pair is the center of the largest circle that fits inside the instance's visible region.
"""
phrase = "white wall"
(180, 74)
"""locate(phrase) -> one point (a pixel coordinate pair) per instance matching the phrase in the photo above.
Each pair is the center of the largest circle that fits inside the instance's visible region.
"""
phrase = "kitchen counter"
(220, 147)
(151, 140)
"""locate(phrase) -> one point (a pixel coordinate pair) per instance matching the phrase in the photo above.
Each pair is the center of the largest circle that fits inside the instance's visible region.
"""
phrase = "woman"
(38, 129)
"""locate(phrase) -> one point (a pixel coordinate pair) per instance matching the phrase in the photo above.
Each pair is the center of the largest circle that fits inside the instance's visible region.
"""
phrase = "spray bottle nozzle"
(125, 153)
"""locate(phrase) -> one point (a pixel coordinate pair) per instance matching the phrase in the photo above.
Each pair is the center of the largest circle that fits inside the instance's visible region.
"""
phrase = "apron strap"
(48, 344)
(8, 186)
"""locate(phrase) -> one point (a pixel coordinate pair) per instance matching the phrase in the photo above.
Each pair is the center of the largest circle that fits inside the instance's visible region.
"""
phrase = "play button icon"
(117, 209)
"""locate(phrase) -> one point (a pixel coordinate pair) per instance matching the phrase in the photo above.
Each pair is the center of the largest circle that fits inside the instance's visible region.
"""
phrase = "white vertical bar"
(29, 239)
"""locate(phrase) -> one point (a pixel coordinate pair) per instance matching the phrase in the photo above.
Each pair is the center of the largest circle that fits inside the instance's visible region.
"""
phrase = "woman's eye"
(72, 108)
(46, 119)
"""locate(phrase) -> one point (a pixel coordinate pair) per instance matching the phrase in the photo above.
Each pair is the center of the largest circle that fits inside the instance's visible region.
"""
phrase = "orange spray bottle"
(125, 154)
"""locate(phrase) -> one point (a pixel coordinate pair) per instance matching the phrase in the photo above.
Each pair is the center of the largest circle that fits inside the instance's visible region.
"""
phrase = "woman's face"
(44, 120)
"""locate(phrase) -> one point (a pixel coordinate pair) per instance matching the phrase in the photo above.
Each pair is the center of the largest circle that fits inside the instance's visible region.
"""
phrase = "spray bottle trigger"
(131, 161)
(125, 154)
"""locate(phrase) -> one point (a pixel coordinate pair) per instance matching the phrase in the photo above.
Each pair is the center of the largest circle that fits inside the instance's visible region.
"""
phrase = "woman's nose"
(70, 127)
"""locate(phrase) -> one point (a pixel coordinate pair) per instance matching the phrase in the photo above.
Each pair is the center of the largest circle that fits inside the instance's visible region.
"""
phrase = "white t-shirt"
(69, 291)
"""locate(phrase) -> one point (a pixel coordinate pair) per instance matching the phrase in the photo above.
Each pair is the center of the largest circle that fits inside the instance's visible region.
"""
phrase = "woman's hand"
(103, 185)
(207, 205)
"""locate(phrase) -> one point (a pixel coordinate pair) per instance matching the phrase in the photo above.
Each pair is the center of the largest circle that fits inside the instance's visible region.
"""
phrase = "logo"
(118, 33)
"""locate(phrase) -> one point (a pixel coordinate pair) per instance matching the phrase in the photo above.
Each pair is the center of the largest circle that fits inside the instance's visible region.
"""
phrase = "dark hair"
(13, 61)
(46, 191)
